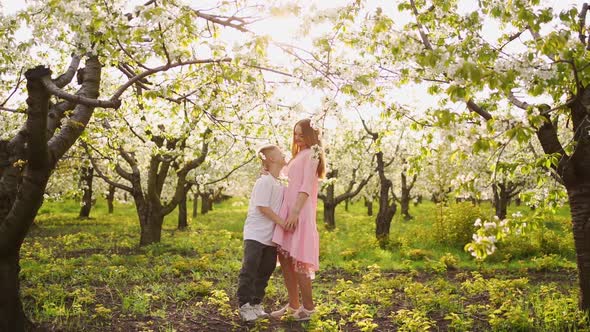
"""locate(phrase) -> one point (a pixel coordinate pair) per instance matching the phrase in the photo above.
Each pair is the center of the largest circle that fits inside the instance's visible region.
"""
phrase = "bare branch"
(511, 38)
(518, 103)
(423, 34)
(101, 175)
(231, 172)
(582, 25)
(225, 21)
(67, 77)
(10, 110)
(165, 67)
(78, 99)
(272, 70)
(473, 107)
(18, 82)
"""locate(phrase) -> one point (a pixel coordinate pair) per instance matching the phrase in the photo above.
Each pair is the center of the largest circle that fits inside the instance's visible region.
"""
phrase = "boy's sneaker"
(259, 311)
(303, 314)
(285, 311)
(247, 313)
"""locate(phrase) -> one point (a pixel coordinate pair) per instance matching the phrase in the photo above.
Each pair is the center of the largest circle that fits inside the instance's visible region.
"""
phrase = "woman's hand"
(291, 221)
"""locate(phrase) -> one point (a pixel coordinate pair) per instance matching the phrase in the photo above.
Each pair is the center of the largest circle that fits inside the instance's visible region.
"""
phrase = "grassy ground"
(91, 275)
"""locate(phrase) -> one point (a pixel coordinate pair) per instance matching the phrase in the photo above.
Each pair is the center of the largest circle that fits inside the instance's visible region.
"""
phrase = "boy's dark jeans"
(257, 266)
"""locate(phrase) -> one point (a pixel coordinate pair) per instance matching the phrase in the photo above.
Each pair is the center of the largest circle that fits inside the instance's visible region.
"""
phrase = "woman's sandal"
(284, 311)
(303, 314)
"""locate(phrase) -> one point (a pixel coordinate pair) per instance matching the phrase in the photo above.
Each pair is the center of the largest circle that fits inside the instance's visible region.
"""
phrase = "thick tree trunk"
(384, 217)
(330, 204)
(150, 223)
(418, 200)
(12, 316)
(182, 214)
(579, 198)
(111, 198)
(387, 208)
(501, 197)
(330, 216)
(205, 203)
(405, 206)
(86, 177)
(211, 201)
(195, 205)
(405, 197)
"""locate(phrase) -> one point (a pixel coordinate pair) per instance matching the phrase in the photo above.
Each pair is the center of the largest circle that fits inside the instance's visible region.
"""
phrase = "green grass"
(91, 275)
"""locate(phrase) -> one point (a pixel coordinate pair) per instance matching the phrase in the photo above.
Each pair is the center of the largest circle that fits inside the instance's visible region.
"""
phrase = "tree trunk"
(501, 197)
(384, 217)
(346, 202)
(370, 208)
(405, 197)
(387, 208)
(517, 201)
(111, 198)
(329, 216)
(182, 214)
(205, 203)
(150, 222)
(418, 200)
(579, 199)
(211, 201)
(86, 177)
(195, 205)
(12, 316)
(405, 206)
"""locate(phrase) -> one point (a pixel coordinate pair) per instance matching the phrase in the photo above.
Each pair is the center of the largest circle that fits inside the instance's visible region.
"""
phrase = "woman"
(298, 241)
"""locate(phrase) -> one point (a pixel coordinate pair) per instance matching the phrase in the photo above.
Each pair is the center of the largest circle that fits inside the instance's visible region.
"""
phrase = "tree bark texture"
(182, 213)
(111, 199)
(86, 177)
(387, 206)
(331, 201)
(195, 205)
(405, 196)
(26, 162)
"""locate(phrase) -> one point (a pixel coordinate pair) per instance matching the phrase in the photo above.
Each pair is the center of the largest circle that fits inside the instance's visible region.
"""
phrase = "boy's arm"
(293, 217)
(269, 213)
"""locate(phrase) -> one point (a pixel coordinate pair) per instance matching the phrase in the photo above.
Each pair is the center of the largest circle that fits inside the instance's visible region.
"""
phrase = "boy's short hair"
(264, 151)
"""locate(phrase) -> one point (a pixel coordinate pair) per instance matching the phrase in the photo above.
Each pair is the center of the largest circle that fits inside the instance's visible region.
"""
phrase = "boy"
(260, 254)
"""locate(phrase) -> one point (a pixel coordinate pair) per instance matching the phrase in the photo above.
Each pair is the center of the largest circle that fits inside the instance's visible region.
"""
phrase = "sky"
(285, 28)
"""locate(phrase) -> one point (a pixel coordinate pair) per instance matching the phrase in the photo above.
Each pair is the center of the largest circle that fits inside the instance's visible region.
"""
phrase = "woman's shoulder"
(305, 155)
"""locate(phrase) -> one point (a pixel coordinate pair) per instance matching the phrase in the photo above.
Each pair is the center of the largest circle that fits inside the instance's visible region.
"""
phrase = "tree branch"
(79, 99)
(65, 78)
(38, 105)
(351, 194)
(59, 144)
(423, 34)
(582, 24)
(165, 67)
(101, 175)
(473, 107)
(225, 21)
(56, 113)
(18, 82)
(10, 110)
(231, 172)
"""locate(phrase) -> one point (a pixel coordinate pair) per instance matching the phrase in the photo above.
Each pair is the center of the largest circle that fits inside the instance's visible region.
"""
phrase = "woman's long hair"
(310, 137)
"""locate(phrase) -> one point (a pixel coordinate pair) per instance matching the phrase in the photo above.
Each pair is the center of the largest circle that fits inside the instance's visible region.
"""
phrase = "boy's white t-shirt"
(267, 192)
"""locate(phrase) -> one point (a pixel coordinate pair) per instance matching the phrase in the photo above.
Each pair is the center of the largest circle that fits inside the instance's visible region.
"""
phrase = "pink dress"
(303, 243)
